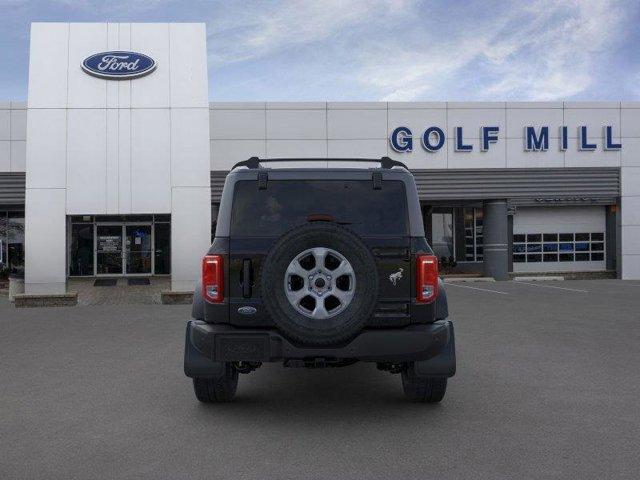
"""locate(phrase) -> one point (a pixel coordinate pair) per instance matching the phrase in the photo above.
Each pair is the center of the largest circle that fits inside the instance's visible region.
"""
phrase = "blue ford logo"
(118, 65)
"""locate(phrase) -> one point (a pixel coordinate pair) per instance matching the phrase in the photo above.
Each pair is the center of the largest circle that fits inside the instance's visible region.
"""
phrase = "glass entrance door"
(139, 249)
(109, 250)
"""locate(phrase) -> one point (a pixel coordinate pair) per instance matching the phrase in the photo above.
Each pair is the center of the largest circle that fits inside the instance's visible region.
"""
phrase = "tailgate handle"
(246, 278)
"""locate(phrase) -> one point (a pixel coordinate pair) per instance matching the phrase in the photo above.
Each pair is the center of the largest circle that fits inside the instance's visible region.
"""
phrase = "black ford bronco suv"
(319, 267)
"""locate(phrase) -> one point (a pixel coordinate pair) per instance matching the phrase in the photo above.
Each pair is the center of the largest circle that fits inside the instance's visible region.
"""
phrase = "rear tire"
(217, 389)
(423, 389)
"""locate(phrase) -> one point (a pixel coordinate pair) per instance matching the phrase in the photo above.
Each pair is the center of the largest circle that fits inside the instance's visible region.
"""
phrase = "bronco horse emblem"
(394, 277)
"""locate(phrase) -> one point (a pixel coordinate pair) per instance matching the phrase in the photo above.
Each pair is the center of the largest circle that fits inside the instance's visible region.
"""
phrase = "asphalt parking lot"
(547, 387)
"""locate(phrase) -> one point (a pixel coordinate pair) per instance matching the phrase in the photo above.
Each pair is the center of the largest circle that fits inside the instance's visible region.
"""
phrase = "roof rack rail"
(254, 162)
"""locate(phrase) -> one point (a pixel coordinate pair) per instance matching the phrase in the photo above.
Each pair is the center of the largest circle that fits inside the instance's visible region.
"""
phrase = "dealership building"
(114, 165)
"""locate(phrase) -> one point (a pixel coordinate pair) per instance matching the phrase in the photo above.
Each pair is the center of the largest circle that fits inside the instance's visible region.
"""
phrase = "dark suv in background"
(320, 267)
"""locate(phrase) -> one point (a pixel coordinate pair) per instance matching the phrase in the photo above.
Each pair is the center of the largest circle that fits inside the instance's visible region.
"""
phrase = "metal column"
(496, 254)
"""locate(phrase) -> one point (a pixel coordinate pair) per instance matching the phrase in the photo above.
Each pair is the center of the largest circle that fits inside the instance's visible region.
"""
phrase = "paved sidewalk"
(121, 294)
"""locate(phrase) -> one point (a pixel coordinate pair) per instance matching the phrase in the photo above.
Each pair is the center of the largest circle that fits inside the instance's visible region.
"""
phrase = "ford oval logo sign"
(247, 310)
(118, 65)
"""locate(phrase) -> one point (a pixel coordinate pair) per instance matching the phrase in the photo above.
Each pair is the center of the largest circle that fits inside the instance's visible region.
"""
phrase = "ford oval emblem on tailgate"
(246, 310)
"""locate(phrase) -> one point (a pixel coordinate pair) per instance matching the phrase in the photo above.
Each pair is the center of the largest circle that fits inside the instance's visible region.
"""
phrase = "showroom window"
(442, 233)
(120, 245)
(558, 247)
(473, 218)
(11, 242)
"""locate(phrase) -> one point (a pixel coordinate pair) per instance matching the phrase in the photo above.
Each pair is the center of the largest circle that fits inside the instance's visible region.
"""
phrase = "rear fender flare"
(442, 307)
(197, 307)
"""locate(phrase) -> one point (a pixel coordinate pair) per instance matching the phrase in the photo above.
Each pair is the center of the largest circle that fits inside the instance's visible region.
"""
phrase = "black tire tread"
(217, 389)
(423, 389)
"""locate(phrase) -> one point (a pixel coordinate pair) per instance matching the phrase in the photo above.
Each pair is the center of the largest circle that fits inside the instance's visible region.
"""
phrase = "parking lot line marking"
(475, 288)
(551, 286)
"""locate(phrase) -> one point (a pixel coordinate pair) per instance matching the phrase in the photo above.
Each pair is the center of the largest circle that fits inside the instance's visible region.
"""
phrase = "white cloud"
(546, 51)
(247, 33)
(395, 50)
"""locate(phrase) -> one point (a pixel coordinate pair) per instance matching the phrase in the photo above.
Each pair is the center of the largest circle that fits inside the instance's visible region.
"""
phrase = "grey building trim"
(611, 239)
(217, 182)
(521, 186)
(12, 189)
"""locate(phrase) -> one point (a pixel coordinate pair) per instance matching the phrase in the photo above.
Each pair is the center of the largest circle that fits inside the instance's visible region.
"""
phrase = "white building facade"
(122, 176)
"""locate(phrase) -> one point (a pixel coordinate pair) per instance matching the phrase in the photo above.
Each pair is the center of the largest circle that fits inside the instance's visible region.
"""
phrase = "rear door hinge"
(262, 180)
(377, 180)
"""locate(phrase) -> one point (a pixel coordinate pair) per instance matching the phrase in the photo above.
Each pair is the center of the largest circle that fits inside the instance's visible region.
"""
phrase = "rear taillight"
(426, 278)
(213, 278)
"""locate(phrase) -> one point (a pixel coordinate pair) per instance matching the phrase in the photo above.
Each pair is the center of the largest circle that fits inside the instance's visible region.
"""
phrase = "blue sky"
(361, 50)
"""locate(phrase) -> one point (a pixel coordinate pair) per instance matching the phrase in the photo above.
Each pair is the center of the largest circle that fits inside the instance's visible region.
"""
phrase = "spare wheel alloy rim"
(319, 283)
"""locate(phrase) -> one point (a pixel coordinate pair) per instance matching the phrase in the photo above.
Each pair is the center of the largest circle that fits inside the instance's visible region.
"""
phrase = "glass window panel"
(598, 237)
(566, 237)
(161, 218)
(566, 257)
(442, 234)
(581, 237)
(534, 247)
(3, 243)
(468, 234)
(138, 245)
(82, 219)
(468, 217)
(582, 247)
(110, 218)
(518, 258)
(518, 238)
(81, 251)
(519, 248)
(550, 247)
(163, 248)
(15, 242)
(566, 247)
(597, 247)
(597, 257)
(479, 221)
(550, 237)
(534, 258)
(274, 210)
(550, 257)
(582, 257)
(534, 237)
(109, 249)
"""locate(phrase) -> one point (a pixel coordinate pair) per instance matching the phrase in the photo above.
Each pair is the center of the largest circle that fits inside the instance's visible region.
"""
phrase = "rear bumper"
(432, 346)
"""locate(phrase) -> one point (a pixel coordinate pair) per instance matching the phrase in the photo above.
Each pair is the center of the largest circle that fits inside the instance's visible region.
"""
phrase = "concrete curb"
(176, 298)
(23, 300)
(468, 279)
(538, 278)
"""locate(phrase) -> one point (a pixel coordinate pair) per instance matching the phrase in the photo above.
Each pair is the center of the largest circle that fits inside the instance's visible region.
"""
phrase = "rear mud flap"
(443, 364)
(196, 364)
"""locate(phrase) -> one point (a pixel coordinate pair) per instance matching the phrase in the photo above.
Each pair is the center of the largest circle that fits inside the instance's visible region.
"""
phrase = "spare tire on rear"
(319, 283)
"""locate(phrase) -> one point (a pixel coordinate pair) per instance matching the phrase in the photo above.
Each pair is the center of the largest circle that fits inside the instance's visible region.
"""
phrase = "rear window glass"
(285, 204)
